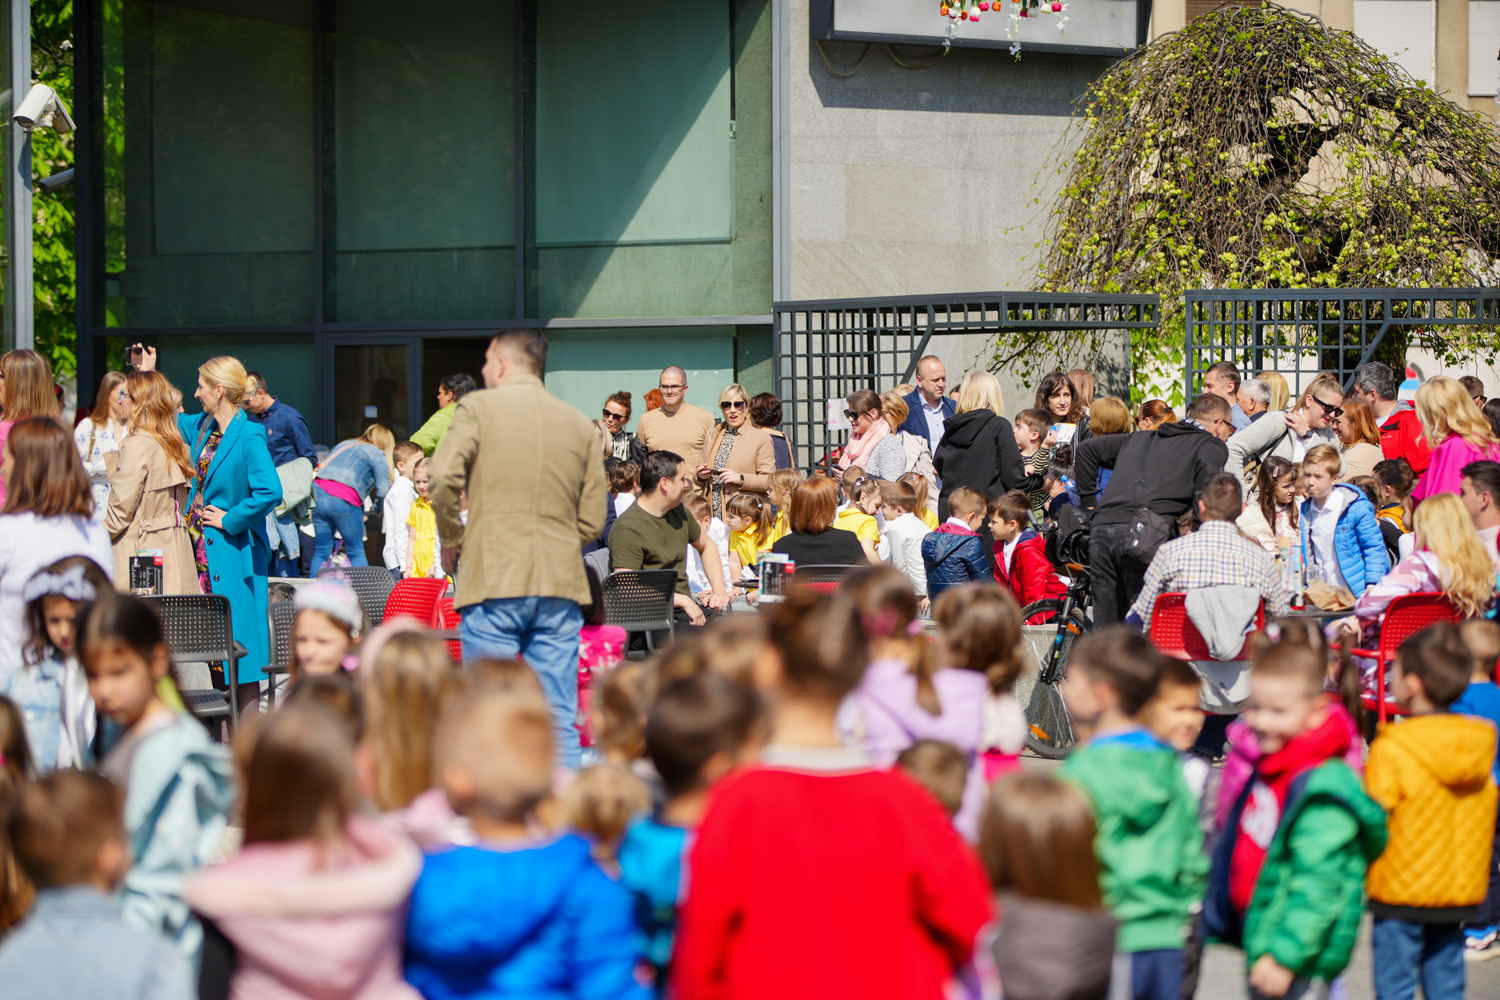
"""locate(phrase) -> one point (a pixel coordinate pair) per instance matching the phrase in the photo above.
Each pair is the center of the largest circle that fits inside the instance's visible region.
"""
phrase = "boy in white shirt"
(397, 507)
(716, 530)
(904, 532)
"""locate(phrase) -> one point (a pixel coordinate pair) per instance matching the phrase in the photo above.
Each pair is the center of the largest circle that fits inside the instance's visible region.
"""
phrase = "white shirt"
(718, 533)
(93, 444)
(934, 417)
(394, 511)
(29, 543)
(623, 502)
(904, 536)
(1489, 536)
(1320, 529)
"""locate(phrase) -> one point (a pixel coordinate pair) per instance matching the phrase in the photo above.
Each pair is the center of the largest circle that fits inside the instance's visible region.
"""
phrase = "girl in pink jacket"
(315, 903)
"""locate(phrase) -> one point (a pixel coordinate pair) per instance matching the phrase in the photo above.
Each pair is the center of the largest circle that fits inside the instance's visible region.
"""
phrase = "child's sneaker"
(1479, 944)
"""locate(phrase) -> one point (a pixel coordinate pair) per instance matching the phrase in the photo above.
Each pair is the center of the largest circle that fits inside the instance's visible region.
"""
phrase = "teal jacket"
(242, 481)
(1151, 863)
(1307, 904)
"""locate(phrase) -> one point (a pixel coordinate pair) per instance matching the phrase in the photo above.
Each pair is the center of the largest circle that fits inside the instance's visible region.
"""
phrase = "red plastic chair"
(1405, 617)
(445, 616)
(415, 598)
(1174, 633)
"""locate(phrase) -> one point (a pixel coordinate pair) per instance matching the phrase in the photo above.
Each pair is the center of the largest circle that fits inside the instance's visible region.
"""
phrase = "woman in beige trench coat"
(149, 487)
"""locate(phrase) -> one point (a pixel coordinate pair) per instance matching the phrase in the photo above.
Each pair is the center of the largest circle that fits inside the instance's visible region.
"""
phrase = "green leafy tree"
(52, 228)
(1257, 148)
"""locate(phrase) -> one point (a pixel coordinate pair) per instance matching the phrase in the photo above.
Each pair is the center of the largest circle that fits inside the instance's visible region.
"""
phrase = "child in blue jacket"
(524, 913)
(1340, 535)
(955, 553)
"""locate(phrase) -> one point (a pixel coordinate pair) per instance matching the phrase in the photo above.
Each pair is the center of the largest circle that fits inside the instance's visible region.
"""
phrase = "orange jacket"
(1431, 774)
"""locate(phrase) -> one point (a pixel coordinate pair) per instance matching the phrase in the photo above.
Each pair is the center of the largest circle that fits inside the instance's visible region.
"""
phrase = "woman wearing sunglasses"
(739, 456)
(872, 444)
(1288, 434)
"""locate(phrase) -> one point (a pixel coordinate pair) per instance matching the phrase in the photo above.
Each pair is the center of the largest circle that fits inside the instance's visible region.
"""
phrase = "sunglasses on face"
(733, 404)
(614, 416)
(1329, 411)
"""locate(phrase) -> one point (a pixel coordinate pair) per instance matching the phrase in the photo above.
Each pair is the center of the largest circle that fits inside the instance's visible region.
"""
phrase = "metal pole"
(18, 221)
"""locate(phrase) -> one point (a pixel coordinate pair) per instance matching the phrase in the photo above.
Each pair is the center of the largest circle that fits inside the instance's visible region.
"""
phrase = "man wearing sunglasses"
(677, 425)
(1288, 435)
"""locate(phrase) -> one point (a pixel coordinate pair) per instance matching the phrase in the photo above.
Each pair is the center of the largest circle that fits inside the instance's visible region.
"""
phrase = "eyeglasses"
(672, 388)
(733, 404)
(615, 416)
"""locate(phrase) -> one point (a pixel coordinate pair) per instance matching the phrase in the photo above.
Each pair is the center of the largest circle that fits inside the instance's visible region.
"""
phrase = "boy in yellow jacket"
(1431, 773)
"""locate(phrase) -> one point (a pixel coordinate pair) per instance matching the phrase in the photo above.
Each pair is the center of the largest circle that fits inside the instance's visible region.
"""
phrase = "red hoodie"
(1274, 774)
(1401, 437)
(1030, 577)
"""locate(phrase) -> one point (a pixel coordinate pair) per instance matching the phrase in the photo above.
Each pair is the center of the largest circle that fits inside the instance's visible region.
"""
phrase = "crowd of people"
(815, 791)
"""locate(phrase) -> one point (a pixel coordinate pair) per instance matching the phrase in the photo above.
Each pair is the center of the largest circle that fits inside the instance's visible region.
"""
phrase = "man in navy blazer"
(928, 404)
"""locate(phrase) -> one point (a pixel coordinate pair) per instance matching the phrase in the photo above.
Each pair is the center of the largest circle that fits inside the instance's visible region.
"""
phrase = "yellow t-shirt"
(780, 528)
(929, 517)
(423, 524)
(743, 544)
(862, 524)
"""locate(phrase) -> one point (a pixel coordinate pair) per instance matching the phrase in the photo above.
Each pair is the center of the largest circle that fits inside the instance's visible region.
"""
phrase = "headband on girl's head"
(335, 600)
(70, 583)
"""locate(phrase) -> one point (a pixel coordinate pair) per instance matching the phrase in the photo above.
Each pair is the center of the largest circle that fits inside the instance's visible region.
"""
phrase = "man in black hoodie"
(1162, 470)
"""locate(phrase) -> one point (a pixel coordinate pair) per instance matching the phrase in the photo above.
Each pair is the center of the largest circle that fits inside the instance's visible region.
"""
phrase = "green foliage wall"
(52, 229)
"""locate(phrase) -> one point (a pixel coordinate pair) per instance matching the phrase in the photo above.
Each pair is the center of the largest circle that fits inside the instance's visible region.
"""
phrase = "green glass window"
(285, 359)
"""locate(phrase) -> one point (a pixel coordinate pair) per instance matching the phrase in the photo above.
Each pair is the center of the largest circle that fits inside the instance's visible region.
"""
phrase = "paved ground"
(1224, 968)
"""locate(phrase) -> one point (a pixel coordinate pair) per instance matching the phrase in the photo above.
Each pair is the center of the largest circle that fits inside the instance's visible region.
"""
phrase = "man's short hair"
(503, 742)
(659, 465)
(1376, 377)
(693, 719)
(1122, 659)
(60, 822)
(260, 383)
(1012, 505)
(461, 385)
(965, 502)
(1485, 475)
(939, 767)
(1208, 407)
(1225, 370)
(1396, 473)
(1438, 657)
(403, 451)
(526, 347)
(1258, 390)
(1223, 500)
(1471, 385)
(1037, 420)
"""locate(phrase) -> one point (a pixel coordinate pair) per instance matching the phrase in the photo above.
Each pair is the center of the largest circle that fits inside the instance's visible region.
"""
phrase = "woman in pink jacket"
(1457, 432)
(315, 903)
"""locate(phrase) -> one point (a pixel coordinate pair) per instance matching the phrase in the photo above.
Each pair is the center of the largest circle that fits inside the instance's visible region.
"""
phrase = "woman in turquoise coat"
(234, 487)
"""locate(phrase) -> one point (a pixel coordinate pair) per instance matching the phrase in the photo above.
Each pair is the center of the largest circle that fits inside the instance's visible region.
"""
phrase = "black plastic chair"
(824, 579)
(641, 601)
(371, 584)
(283, 617)
(198, 629)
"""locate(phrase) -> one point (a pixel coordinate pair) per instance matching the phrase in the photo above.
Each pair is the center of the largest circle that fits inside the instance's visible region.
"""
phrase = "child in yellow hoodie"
(1431, 773)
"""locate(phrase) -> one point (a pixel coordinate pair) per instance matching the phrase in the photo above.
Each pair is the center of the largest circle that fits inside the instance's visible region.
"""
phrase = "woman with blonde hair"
(26, 390)
(738, 457)
(978, 450)
(1448, 556)
(1281, 393)
(100, 434)
(150, 488)
(1457, 431)
(354, 469)
(234, 487)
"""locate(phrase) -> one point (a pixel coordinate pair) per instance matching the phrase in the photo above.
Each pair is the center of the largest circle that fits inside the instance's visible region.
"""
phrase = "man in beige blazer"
(535, 481)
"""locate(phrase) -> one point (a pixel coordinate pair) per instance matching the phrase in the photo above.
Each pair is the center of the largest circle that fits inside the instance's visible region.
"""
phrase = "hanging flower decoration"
(957, 12)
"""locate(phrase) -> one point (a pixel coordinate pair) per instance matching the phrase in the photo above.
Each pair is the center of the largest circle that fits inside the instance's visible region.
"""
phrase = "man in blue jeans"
(535, 479)
(295, 459)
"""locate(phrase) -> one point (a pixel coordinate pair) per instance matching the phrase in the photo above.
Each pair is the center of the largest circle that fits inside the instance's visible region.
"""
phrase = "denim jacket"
(358, 466)
(54, 700)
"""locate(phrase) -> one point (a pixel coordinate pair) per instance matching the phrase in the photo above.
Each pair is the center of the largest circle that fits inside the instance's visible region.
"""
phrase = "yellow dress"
(423, 524)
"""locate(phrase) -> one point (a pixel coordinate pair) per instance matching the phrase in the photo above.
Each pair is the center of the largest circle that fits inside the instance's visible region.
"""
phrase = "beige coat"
(536, 493)
(147, 509)
(753, 454)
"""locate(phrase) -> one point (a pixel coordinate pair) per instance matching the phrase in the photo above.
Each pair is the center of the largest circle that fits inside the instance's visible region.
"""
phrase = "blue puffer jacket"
(952, 558)
(1357, 541)
(543, 923)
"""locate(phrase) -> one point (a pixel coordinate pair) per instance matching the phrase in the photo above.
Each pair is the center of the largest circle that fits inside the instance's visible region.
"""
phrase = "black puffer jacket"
(979, 451)
(1163, 470)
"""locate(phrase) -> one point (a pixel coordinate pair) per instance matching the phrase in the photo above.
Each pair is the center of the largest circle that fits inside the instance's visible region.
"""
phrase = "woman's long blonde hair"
(381, 437)
(1444, 528)
(155, 415)
(1446, 409)
(980, 391)
(1281, 393)
(29, 390)
(229, 374)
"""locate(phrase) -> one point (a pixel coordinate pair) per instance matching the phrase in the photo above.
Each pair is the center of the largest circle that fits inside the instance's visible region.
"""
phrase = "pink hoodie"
(1244, 754)
(315, 924)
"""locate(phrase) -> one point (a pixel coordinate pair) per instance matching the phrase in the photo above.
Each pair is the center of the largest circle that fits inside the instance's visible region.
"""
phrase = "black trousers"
(1116, 578)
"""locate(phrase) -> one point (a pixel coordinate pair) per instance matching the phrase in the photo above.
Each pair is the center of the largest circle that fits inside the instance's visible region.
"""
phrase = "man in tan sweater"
(677, 426)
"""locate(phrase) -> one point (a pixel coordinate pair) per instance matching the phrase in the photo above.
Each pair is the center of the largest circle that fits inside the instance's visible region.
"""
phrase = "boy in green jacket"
(1150, 850)
(1288, 874)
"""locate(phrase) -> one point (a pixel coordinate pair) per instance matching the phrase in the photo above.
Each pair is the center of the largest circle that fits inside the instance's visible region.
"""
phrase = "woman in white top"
(47, 516)
(100, 434)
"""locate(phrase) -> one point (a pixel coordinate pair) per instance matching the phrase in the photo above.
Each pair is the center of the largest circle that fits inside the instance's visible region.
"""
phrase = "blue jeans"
(1404, 950)
(542, 632)
(334, 516)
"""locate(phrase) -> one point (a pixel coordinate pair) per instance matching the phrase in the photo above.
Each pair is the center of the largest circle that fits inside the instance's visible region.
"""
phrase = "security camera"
(57, 181)
(42, 106)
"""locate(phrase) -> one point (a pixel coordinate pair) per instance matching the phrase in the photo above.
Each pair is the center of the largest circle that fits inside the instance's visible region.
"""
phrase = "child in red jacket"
(814, 874)
(1021, 564)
